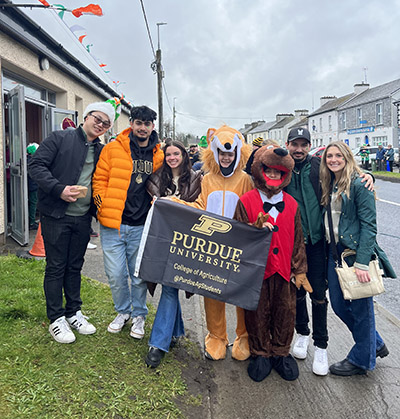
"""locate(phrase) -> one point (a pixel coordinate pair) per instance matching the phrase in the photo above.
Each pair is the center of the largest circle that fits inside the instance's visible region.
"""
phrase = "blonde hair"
(349, 171)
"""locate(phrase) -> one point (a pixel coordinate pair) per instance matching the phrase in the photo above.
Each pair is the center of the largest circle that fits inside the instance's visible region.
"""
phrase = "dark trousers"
(65, 242)
(32, 203)
(316, 260)
(271, 326)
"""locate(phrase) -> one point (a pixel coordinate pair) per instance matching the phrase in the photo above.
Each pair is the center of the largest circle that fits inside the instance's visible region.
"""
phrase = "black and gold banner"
(203, 253)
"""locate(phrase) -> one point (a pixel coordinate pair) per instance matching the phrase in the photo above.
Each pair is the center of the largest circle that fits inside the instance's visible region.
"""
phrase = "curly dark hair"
(166, 183)
(143, 113)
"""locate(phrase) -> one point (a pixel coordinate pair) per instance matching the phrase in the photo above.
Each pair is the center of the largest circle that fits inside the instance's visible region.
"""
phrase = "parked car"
(317, 151)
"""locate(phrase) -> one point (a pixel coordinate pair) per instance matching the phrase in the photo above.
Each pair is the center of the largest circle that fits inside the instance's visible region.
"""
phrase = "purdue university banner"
(203, 253)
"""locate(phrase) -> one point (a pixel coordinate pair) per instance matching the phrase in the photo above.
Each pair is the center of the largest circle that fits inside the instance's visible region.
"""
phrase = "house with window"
(44, 79)
(371, 116)
(284, 123)
(248, 128)
(260, 131)
(323, 123)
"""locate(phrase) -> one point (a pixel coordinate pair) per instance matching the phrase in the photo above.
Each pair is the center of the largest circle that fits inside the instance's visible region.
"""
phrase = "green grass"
(387, 174)
(101, 376)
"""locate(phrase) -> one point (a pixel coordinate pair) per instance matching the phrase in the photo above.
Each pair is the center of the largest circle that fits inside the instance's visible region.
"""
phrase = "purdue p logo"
(209, 225)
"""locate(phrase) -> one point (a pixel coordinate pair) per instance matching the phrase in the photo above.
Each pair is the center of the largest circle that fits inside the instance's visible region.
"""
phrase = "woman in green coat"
(354, 227)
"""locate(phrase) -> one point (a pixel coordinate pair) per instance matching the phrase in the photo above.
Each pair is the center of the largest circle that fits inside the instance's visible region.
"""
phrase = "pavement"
(234, 395)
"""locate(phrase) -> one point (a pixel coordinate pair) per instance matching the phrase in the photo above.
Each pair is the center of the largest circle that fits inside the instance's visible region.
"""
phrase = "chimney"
(299, 113)
(280, 116)
(326, 99)
(360, 87)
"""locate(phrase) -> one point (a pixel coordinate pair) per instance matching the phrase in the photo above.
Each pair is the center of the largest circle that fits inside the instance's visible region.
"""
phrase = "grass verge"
(387, 174)
(102, 375)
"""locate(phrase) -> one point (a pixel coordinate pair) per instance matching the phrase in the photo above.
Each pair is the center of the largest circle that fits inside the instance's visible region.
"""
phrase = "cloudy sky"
(231, 61)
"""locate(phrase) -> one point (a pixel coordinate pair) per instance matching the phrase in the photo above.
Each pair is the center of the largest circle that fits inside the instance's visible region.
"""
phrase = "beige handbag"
(353, 289)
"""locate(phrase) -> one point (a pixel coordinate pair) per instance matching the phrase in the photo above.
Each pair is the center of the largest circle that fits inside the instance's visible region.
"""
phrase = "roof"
(262, 127)
(375, 93)
(282, 122)
(332, 104)
(303, 123)
(40, 31)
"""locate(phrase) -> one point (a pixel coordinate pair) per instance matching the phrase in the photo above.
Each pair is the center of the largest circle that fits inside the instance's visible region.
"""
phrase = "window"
(378, 114)
(320, 124)
(330, 122)
(380, 140)
(359, 115)
(342, 120)
(314, 128)
(358, 141)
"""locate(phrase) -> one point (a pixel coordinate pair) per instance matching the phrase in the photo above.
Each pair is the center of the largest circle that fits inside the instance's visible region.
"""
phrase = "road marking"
(389, 202)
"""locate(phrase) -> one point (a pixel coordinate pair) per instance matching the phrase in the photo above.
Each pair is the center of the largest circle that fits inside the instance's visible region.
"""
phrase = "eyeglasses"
(99, 121)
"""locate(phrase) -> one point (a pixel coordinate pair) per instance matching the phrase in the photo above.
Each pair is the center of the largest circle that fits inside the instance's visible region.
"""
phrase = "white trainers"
(79, 322)
(137, 329)
(61, 331)
(320, 365)
(118, 323)
(91, 246)
(300, 347)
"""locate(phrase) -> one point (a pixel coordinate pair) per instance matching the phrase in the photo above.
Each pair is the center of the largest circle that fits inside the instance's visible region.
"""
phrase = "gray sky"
(231, 61)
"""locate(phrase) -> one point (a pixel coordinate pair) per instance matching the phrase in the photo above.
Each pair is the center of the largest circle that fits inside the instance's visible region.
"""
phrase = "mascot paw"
(259, 368)
(240, 349)
(302, 281)
(215, 348)
(261, 219)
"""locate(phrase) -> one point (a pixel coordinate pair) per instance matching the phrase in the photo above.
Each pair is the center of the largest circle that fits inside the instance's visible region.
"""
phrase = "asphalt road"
(388, 219)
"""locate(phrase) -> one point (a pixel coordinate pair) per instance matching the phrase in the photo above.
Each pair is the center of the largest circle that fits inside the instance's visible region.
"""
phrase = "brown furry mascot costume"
(221, 189)
(271, 326)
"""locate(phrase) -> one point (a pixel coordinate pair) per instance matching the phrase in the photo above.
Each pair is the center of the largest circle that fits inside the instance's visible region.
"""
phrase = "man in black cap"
(305, 188)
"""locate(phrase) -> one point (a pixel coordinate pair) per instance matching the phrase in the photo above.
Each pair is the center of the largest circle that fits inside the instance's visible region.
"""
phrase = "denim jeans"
(319, 305)
(168, 321)
(359, 317)
(65, 240)
(120, 249)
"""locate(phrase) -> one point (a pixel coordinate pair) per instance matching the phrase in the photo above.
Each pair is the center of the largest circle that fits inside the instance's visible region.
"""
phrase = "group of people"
(384, 157)
(285, 191)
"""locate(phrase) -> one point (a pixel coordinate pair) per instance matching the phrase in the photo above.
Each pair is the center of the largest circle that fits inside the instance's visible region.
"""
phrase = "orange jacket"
(112, 178)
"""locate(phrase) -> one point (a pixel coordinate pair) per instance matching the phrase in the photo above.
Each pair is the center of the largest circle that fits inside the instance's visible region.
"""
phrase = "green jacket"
(357, 226)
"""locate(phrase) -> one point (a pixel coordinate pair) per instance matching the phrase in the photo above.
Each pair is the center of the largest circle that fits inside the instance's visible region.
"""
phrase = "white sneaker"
(300, 347)
(118, 323)
(320, 365)
(61, 331)
(79, 322)
(91, 246)
(137, 329)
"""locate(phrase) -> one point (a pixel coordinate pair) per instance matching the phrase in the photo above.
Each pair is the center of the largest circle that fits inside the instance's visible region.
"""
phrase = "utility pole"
(173, 121)
(160, 76)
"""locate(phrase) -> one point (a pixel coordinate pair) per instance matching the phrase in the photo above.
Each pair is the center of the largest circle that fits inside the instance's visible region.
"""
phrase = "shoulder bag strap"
(332, 243)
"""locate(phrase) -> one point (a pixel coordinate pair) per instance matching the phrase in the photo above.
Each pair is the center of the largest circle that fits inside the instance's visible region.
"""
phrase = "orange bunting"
(93, 9)
(81, 38)
(102, 65)
(44, 2)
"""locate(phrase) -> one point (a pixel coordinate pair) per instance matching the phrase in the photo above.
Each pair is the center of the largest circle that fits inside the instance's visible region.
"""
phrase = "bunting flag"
(102, 65)
(44, 2)
(81, 38)
(62, 10)
(75, 28)
(88, 47)
(93, 9)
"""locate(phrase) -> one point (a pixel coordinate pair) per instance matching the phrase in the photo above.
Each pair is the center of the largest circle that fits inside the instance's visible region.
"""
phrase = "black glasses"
(99, 121)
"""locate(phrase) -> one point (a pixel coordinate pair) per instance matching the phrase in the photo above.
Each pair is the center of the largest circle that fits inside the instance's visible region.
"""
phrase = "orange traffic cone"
(38, 245)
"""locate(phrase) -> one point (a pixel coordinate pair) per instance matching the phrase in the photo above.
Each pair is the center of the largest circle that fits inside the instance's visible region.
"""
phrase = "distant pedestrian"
(380, 158)
(32, 189)
(63, 160)
(353, 215)
(389, 156)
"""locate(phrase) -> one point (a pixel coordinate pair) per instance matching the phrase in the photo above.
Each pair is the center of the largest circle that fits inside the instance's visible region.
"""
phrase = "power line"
(148, 29)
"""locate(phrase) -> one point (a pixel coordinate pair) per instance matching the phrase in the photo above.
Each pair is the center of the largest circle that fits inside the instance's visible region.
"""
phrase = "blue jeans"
(120, 249)
(359, 317)
(168, 321)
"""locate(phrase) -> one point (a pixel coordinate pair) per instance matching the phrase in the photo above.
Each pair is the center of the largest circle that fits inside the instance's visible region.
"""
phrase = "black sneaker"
(154, 357)
(381, 353)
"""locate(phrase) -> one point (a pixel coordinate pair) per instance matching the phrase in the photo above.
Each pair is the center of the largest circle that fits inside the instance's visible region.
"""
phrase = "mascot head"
(270, 181)
(227, 140)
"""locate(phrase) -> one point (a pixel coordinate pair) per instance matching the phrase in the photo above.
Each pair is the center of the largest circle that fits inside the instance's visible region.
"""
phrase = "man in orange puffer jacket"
(119, 191)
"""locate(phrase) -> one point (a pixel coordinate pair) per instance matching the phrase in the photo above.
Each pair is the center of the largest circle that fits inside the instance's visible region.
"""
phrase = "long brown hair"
(327, 177)
(166, 172)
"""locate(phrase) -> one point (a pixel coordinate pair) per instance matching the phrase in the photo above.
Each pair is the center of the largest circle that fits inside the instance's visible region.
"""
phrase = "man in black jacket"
(64, 160)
